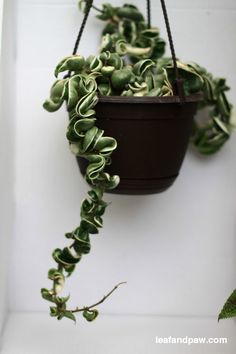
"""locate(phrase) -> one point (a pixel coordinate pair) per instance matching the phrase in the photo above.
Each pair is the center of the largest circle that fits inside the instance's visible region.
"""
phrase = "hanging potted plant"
(130, 119)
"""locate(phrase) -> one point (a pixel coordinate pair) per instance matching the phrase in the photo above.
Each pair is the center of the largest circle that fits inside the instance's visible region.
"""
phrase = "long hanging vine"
(130, 63)
(86, 140)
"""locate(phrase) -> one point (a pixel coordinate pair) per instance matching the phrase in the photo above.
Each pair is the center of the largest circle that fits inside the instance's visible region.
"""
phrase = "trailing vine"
(86, 140)
(130, 63)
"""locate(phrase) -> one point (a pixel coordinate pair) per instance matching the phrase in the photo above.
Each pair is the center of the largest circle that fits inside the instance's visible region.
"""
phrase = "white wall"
(176, 249)
(1, 18)
(7, 104)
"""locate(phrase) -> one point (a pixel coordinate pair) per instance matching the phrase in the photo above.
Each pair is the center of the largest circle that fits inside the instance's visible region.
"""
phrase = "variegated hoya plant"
(130, 63)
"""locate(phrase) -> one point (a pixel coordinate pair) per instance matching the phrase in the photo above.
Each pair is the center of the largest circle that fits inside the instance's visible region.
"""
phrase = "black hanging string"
(170, 38)
(178, 81)
(149, 13)
(88, 6)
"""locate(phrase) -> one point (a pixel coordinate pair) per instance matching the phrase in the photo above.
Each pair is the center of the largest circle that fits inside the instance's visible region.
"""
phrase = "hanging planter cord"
(89, 4)
(178, 89)
(149, 13)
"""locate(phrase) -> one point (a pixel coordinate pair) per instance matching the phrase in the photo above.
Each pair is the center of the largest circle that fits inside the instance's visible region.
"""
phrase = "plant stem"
(99, 302)
(96, 8)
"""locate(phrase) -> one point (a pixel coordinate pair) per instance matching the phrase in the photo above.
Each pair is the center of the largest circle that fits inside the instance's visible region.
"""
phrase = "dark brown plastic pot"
(152, 135)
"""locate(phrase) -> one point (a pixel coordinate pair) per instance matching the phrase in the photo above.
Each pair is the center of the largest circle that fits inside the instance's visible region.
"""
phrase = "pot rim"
(197, 97)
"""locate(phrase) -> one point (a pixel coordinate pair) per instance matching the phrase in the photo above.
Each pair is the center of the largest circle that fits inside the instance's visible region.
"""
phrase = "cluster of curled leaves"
(130, 63)
(210, 134)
